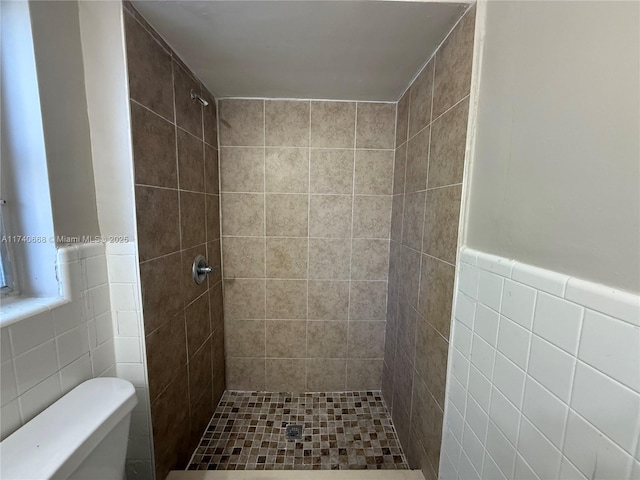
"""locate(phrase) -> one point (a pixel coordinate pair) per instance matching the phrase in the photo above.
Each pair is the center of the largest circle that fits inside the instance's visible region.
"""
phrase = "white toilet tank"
(81, 436)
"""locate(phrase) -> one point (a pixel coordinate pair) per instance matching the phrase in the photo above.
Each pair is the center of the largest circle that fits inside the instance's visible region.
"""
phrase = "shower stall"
(314, 212)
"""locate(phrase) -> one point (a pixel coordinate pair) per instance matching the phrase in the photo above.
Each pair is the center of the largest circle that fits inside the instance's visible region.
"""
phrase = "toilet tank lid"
(56, 442)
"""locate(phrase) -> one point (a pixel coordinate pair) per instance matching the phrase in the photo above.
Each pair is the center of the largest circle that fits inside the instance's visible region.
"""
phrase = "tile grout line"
(353, 200)
(285, 147)
(393, 180)
(306, 362)
(264, 208)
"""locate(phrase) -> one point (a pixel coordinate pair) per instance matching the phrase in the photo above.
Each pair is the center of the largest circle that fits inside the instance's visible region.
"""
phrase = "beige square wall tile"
(397, 215)
(286, 375)
(366, 339)
(417, 162)
(212, 207)
(389, 346)
(287, 257)
(452, 79)
(333, 124)
(287, 215)
(244, 299)
(448, 143)
(428, 425)
(243, 214)
(329, 258)
(421, 93)
(243, 257)
(388, 385)
(392, 306)
(287, 338)
(193, 219)
(403, 383)
(328, 300)
(245, 338)
(157, 215)
(287, 123)
(330, 216)
(327, 339)
(190, 161)
(188, 112)
(395, 254)
(406, 330)
(370, 259)
(368, 301)
(376, 125)
(331, 171)
(149, 69)
(245, 373)
(211, 170)
(431, 359)
(241, 122)
(441, 223)
(242, 169)
(287, 299)
(436, 293)
(364, 374)
(402, 119)
(374, 172)
(326, 375)
(413, 220)
(409, 276)
(154, 148)
(399, 168)
(287, 170)
(371, 216)
(214, 257)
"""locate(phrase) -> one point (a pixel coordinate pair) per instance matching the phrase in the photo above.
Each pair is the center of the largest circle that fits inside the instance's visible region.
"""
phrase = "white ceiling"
(351, 50)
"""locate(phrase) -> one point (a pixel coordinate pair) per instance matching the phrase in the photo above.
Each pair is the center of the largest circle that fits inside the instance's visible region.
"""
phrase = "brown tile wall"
(430, 149)
(306, 217)
(177, 203)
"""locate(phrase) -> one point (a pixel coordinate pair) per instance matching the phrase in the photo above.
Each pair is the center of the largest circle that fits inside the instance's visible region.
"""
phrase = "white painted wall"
(555, 178)
(106, 85)
(58, 54)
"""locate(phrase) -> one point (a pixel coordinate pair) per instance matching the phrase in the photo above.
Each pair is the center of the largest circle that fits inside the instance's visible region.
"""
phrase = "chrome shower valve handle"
(200, 269)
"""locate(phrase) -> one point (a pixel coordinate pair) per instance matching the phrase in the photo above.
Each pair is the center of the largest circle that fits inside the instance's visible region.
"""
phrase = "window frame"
(8, 285)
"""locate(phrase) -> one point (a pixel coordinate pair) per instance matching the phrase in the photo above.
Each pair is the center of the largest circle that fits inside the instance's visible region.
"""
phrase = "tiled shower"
(306, 211)
(321, 230)
(431, 138)
(175, 160)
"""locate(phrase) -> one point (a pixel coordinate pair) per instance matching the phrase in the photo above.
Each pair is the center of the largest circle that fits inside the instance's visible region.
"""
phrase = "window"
(27, 263)
(7, 285)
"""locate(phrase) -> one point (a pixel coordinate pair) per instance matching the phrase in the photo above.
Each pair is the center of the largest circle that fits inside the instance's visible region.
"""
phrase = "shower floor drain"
(293, 432)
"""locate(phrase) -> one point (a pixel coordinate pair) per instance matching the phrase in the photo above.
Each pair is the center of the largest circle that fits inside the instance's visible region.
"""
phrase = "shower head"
(199, 98)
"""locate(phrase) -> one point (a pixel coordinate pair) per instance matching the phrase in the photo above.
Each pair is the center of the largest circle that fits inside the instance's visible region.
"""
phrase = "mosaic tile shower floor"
(345, 430)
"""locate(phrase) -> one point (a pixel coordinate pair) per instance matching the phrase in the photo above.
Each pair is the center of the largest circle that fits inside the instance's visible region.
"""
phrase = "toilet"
(81, 436)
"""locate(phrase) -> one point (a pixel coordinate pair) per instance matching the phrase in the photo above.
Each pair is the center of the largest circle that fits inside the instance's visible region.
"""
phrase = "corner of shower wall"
(431, 137)
(176, 189)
